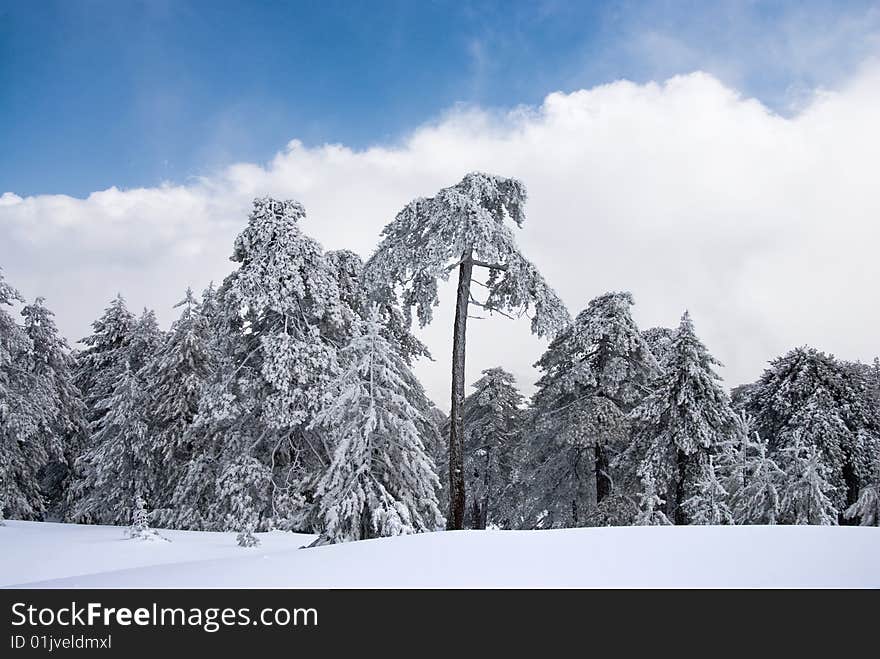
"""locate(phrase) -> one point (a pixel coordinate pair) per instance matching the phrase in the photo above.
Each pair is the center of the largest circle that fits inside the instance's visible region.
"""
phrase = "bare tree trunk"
(456, 425)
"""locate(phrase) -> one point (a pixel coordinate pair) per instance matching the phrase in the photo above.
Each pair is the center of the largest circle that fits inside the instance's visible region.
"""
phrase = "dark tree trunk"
(456, 425)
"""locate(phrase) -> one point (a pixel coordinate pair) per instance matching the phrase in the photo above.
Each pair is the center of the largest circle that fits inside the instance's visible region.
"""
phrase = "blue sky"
(95, 94)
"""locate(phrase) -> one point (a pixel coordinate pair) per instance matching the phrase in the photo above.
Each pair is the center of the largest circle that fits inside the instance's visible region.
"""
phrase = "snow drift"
(37, 554)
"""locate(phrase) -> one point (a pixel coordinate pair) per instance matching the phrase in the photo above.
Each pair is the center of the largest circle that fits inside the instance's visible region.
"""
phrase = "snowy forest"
(284, 398)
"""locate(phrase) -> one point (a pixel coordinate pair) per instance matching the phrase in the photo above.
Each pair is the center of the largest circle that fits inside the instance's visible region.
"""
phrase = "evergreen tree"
(27, 440)
(104, 358)
(174, 380)
(650, 508)
(276, 323)
(463, 226)
(681, 424)
(807, 495)
(659, 340)
(55, 394)
(594, 373)
(246, 537)
(866, 509)
(709, 504)
(755, 483)
(381, 481)
(811, 397)
(492, 421)
(113, 470)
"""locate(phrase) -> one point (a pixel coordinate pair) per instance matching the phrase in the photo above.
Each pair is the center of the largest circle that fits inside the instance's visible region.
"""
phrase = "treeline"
(285, 399)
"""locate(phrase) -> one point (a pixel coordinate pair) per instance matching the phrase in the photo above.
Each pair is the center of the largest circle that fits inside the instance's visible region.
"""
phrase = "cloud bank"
(685, 193)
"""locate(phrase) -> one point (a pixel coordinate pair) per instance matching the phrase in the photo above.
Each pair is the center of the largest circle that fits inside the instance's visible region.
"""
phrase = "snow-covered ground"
(69, 555)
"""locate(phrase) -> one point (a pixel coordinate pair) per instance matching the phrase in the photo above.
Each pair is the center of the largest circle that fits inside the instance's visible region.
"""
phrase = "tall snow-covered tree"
(279, 319)
(463, 227)
(685, 420)
(593, 374)
(58, 399)
(27, 442)
(810, 396)
(174, 380)
(492, 424)
(103, 359)
(807, 493)
(381, 481)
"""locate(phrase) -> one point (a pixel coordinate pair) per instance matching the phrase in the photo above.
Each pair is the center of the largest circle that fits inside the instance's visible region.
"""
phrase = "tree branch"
(491, 266)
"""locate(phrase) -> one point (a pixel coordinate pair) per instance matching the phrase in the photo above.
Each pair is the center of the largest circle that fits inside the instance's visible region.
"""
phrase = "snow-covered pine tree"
(60, 402)
(754, 482)
(810, 396)
(650, 508)
(104, 358)
(381, 481)
(246, 537)
(866, 509)
(708, 505)
(27, 442)
(463, 227)
(277, 321)
(593, 374)
(807, 494)
(492, 425)
(174, 380)
(113, 470)
(685, 420)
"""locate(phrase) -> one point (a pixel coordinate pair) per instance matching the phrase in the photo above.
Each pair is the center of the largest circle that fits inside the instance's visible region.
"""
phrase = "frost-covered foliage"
(140, 523)
(57, 398)
(29, 431)
(104, 357)
(593, 374)
(754, 482)
(278, 320)
(469, 220)
(381, 481)
(492, 424)
(810, 396)
(684, 421)
(246, 537)
(709, 504)
(115, 466)
(113, 471)
(174, 380)
(866, 509)
(807, 495)
(650, 508)
(659, 340)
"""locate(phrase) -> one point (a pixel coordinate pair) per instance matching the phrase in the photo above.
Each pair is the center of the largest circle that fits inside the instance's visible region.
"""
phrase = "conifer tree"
(58, 399)
(492, 424)
(27, 441)
(113, 470)
(594, 373)
(754, 483)
(277, 321)
(463, 227)
(685, 420)
(650, 508)
(813, 398)
(381, 481)
(709, 503)
(104, 358)
(174, 380)
(807, 495)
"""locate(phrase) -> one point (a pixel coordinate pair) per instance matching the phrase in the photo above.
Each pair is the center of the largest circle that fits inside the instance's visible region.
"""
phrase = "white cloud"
(685, 193)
